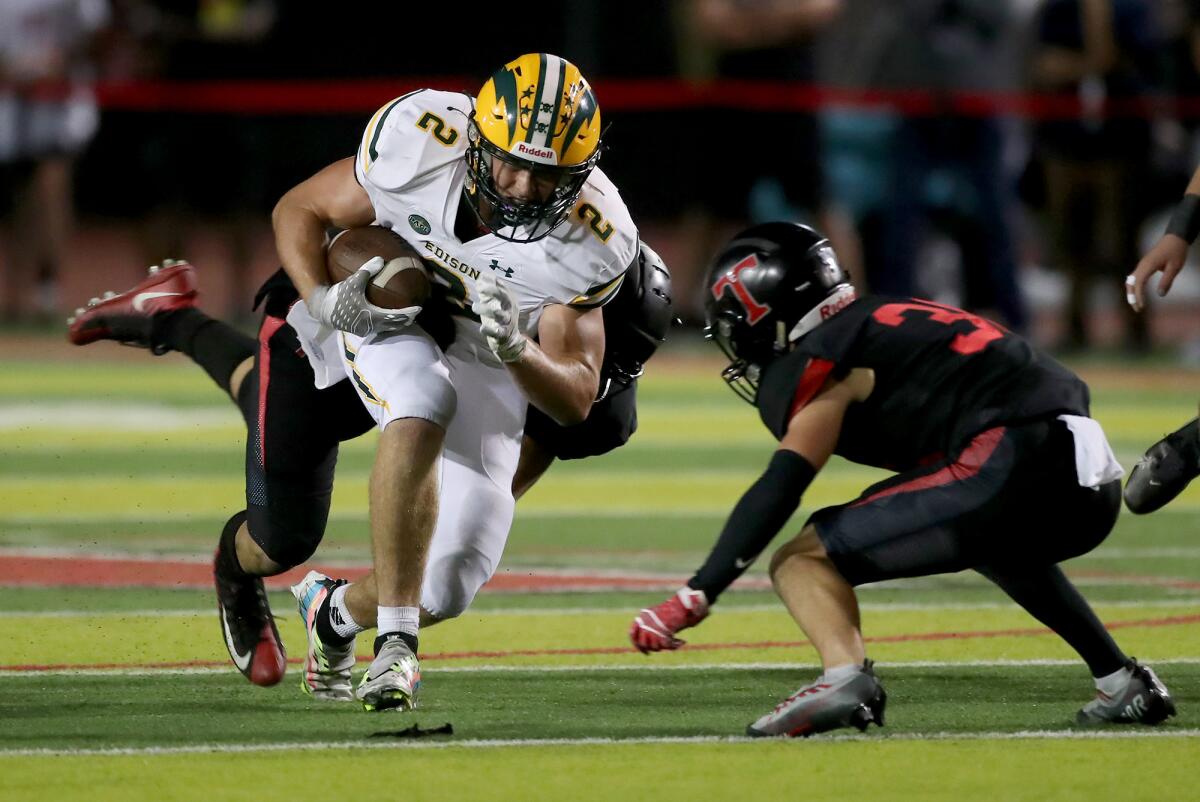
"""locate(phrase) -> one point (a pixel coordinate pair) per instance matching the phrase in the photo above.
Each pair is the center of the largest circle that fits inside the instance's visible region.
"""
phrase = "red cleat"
(128, 317)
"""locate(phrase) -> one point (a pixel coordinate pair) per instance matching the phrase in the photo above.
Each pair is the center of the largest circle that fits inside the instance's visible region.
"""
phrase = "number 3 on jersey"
(970, 343)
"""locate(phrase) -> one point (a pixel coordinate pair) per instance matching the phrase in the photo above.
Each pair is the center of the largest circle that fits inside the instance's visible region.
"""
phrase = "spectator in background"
(758, 165)
(48, 113)
(901, 173)
(1098, 51)
(945, 46)
(210, 167)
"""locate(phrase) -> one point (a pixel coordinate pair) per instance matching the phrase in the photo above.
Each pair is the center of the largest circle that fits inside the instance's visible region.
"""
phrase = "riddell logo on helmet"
(540, 154)
(840, 302)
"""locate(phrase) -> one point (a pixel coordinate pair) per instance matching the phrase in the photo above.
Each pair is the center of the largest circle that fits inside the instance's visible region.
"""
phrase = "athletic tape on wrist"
(1185, 221)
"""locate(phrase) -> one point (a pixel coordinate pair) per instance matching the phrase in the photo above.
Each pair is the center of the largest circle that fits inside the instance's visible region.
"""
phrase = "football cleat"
(854, 701)
(249, 629)
(392, 679)
(1165, 470)
(326, 667)
(128, 317)
(1145, 700)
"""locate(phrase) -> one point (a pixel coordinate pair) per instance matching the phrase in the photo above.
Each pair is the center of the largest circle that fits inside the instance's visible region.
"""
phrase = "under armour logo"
(507, 271)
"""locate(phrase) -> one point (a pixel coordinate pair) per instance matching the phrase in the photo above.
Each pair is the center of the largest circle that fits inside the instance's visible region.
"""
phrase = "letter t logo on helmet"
(771, 285)
(535, 113)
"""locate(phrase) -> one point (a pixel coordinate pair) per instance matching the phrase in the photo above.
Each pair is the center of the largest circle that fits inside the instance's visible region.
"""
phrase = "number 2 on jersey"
(970, 343)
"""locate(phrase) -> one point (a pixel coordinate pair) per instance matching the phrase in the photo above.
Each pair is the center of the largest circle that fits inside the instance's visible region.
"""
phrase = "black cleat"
(249, 628)
(1165, 470)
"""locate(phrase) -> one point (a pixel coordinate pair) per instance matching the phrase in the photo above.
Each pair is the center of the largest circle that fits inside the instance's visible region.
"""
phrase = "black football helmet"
(771, 285)
(636, 321)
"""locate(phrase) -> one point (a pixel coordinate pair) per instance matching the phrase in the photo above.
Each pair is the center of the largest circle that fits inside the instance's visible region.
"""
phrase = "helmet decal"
(536, 113)
(507, 107)
(783, 281)
(754, 310)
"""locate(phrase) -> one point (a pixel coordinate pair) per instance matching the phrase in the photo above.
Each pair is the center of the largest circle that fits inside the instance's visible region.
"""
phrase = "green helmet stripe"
(505, 82)
(585, 110)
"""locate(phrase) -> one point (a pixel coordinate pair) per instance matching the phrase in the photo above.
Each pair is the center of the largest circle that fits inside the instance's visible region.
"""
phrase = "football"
(402, 283)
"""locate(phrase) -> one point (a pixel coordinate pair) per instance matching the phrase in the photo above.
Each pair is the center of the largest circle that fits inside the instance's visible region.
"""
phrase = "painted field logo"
(418, 223)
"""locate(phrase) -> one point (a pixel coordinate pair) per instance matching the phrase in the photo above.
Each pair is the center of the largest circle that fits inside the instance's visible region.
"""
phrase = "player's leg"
(404, 382)
(1126, 692)
(293, 431)
(913, 524)
(820, 600)
(1071, 520)
(823, 604)
(1164, 470)
(609, 425)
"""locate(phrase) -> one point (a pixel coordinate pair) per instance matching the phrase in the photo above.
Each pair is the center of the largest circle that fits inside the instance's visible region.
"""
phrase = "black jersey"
(942, 375)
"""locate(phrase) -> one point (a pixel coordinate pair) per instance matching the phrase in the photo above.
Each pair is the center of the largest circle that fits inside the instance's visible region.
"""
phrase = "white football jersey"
(412, 164)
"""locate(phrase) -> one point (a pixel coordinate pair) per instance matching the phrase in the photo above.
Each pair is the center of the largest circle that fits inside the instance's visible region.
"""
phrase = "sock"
(335, 625)
(402, 621)
(227, 562)
(1113, 685)
(409, 640)
(841, 672)
(215, 346)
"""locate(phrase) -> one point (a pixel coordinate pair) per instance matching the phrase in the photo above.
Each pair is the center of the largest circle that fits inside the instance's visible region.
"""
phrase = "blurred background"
(1010, 157)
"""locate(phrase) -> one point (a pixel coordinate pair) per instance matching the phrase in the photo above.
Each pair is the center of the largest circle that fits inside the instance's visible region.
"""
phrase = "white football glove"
(345, 307)
(498, 318)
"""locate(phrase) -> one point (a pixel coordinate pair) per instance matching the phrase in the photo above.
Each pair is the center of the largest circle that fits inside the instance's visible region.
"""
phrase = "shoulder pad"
(411, 135)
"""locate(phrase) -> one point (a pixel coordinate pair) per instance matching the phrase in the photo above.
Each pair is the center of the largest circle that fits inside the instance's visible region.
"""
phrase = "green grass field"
(123, 693)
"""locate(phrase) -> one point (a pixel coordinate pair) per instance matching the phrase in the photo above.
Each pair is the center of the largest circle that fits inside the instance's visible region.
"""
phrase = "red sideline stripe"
(969, 462)
(649, 94)
(105, 572)
(1168, 621)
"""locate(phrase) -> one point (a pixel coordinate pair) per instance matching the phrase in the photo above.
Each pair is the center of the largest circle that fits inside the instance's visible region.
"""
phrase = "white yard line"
(571, 669)
(316, 746)
(114, 417)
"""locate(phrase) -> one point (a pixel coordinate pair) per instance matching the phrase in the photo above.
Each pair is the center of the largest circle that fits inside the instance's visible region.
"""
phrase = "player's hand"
(1168, 256)
(345, 307)
(498, 318)
(655, 627)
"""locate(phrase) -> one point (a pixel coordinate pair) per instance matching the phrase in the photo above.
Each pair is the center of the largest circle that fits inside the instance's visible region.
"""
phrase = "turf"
(145, 457)
(65, 712)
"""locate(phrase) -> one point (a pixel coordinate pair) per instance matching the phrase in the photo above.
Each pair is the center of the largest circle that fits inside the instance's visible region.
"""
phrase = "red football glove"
(654, 629)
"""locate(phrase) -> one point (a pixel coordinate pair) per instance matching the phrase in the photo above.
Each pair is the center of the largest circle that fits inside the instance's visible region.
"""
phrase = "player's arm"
(560, 373)
(1170, 253)
(806, 446)
(331, 198)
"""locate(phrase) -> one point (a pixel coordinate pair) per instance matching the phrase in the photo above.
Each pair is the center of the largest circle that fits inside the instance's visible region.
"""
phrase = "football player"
(501, 195)
(161, 314)
(998, 469)
(1172, 463)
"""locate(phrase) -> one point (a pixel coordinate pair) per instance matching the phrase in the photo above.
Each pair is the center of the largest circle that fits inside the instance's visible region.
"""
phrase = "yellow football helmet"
(535, 113)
